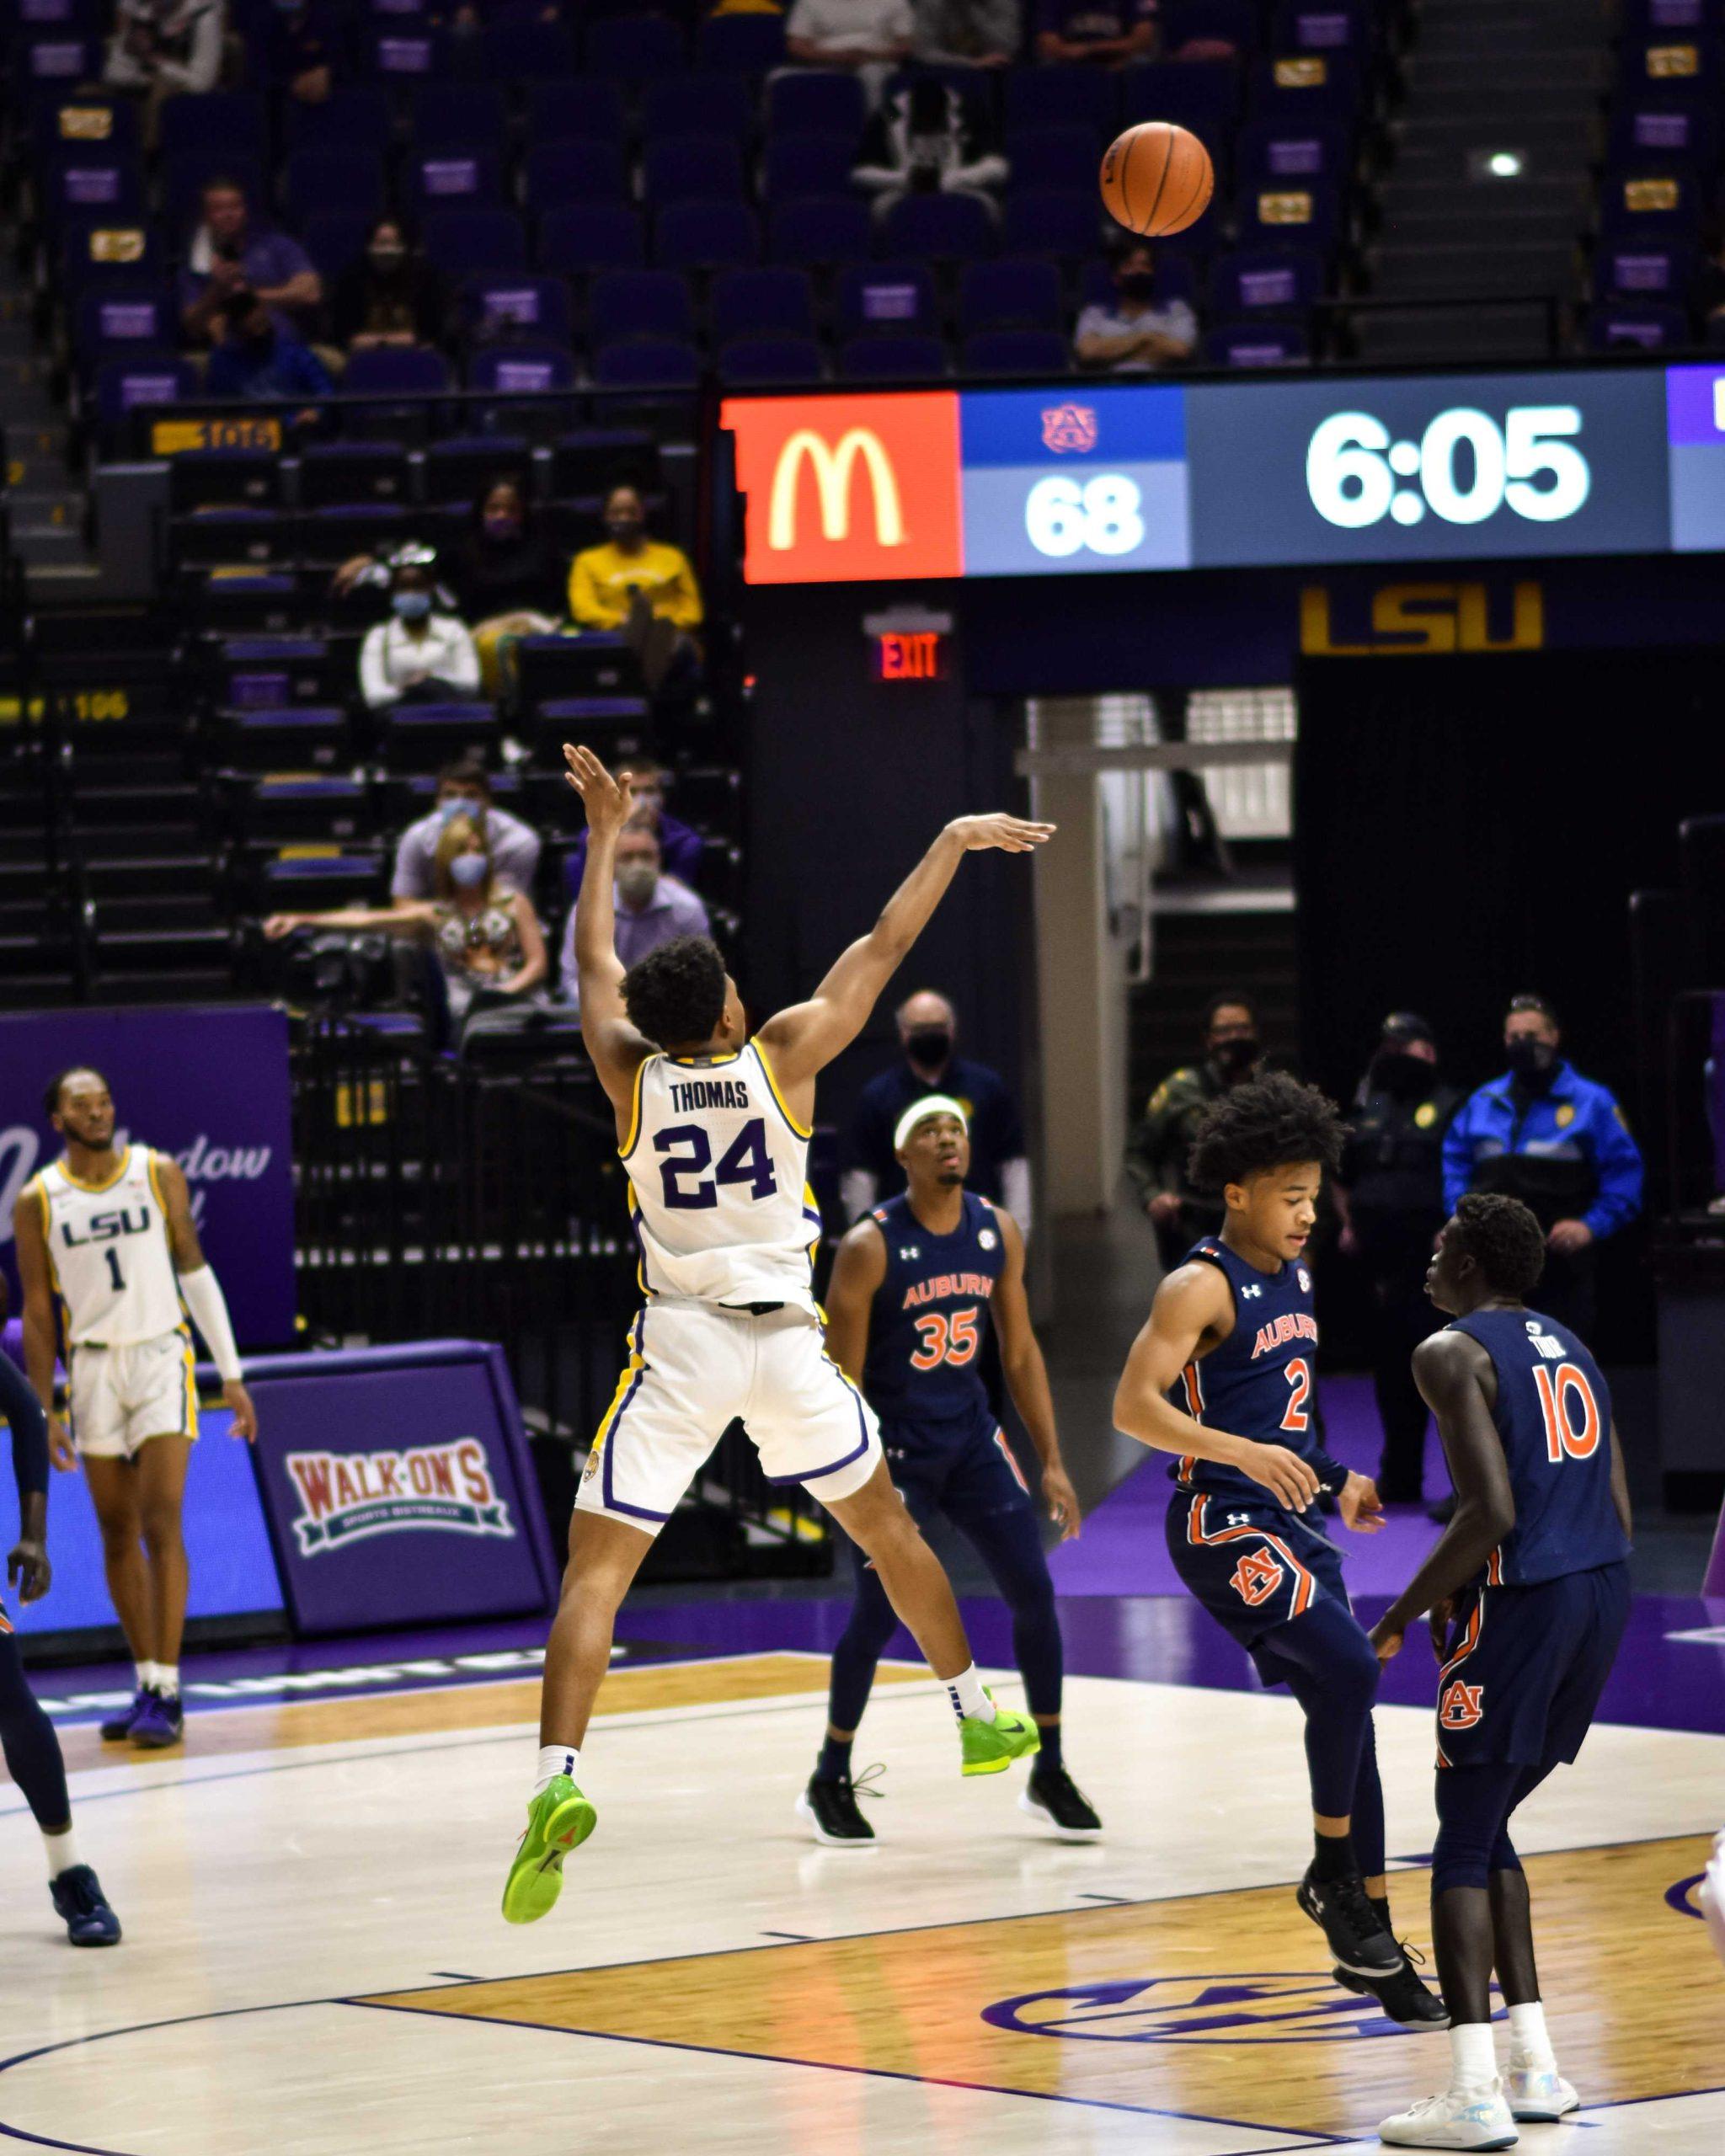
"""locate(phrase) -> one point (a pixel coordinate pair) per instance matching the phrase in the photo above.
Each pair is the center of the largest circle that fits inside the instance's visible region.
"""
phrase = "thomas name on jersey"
(947, 1284)
(1291, 1325)
(686, 1093)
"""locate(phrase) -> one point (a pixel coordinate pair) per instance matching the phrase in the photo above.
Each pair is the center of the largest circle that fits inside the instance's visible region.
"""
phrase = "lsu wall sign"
(443, 1489)
(848, 489)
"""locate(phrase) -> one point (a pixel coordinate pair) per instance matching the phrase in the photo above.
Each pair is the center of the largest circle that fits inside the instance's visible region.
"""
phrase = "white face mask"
(637, 882)
(468, 870)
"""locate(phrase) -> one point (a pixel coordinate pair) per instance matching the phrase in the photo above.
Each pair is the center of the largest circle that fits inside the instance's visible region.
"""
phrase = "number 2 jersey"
(718, 1192)
(108, 1253)
(1260, 1382)
(927, 1322)
(1553, 1412)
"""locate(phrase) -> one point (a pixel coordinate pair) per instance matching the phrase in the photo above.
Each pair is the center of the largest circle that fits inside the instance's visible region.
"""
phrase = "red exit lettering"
(909, 655)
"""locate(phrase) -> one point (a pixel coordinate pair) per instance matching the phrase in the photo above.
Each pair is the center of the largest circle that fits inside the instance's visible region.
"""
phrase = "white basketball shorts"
(694, 1368)
(121, 1397)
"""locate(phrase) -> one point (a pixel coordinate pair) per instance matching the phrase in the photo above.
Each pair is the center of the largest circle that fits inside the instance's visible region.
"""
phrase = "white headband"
(920, 1110)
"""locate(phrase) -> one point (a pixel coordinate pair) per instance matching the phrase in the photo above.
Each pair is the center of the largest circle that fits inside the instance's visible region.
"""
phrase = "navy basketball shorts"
(1253, 1567)
(1525, 1667)
(962, 1468)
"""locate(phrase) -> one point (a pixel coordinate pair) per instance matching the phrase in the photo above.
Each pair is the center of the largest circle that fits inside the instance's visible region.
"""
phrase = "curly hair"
(1504, 1238)
(676, 995)
(1273, 1122)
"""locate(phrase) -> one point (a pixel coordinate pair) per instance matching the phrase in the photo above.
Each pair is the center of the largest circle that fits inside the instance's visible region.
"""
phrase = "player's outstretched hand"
(245, 1416)
(1287, 1477)
(1360, 1506)
(1009, 834)
(606, 800)
(28, 1570)
(1062, 1501)
(60, 1449)
(1385, 1643)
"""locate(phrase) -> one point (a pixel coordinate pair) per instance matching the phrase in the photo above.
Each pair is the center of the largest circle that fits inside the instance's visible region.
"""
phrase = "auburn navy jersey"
(1553, 1412)
(925, 1328)
(1259, 1382)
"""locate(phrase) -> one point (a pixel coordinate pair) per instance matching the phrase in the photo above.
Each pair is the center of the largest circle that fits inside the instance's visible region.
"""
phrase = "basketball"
(1156, 179)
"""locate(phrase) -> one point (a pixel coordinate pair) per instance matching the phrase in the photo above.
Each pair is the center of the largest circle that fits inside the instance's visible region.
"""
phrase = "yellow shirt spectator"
(603, 578)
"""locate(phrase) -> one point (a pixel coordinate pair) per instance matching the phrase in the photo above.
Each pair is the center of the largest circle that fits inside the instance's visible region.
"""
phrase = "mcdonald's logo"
(848, 489)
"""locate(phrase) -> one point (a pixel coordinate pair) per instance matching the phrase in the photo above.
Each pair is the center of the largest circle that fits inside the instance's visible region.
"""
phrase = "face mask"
(1141, 285)
(1403, 1077)
(386, 259)
(412, 605)
(459, 805)
(1237, 1056)
(624, 530)
(637, 882)
(468, 870)
(929, 1045)
(502, 525)
(1533, 1061)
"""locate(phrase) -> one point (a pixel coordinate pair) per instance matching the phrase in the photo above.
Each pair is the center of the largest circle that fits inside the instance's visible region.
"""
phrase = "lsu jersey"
(929, 1314)
(108, 1251)
(718, 1191)
(1553, 1412)
(1259, 1382)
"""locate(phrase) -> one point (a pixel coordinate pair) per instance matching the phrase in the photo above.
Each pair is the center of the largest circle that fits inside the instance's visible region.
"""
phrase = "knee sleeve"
(1473, 1807)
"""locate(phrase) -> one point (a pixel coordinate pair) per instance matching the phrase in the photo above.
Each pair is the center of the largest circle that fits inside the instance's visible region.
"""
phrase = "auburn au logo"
(1462, 1705)
(1256, 1578)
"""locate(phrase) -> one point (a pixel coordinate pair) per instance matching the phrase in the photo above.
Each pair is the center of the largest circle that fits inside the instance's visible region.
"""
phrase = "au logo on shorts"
(1256, 1578)
(1462, 1705)
(1278, 2007)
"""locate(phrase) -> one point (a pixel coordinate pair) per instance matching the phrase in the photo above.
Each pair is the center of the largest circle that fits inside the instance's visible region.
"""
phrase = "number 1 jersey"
(718, 1192)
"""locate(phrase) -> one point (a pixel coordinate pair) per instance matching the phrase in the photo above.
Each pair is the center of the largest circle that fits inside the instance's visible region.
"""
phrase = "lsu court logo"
(1279, 2007)
(350, 1497)
(848, 489)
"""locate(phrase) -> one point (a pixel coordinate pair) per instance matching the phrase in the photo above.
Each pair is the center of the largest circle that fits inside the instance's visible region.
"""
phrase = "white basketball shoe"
(1539, 2094)
(1460, 2118)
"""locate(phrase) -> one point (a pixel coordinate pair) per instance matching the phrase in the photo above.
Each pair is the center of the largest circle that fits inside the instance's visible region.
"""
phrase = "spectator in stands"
(416, 653)
(376, 573)
(652, 907)
(928, 1030)
(163, 49)
(1159, 1149)
(303, 48)
(1134, 335)
(487, 940)
(509, 577)
(1104, 33)
(983, 33)
(680, 844)
(257, 358)
(872, 36)
(389, 295)
(464, 791)
(923, 141)
(229, 253)
(645, 587)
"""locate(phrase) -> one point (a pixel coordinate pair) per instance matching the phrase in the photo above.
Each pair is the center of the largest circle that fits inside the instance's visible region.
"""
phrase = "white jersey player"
(109, 1230)
(714, 1127)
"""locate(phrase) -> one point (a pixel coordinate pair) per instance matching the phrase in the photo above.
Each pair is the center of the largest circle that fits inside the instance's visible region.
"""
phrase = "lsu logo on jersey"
(350, 1497)
(1462, 1705)
(1256, 1578)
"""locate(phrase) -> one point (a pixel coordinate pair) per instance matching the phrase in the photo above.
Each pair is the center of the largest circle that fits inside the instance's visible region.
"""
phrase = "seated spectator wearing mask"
(645, 587)
(928, 1031)
(1134, 336)
(922, 141)
(1159, 1147)
(417, 654)
(464, 791)
(389, 295)
(1101, 32)
(165, 49)
(974, 33)
(680, 845)
(1557, 1141)
(487, 940)
(652, 908)
(230, 253)
(509, 576)
(259, 361)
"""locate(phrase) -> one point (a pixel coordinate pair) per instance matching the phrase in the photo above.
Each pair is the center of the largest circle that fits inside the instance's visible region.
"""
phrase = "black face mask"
(1234, 1058)
(929, 1046)
(1534, 1062)
(1403, 1077)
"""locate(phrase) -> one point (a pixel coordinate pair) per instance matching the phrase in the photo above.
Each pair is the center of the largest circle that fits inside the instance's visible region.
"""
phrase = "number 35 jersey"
(925, 1325)
(718, 1191)
(108, 1248)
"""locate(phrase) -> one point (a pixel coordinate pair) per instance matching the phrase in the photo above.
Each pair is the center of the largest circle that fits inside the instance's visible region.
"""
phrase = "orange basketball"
(1156, 179)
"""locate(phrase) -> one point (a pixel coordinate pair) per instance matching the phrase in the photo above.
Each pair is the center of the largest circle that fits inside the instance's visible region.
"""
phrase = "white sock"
(168, 1678)
(1529, 2044)
(1473, 2061)
(555, 1759)
(62, 1852)
(147, 1676)
(968, 1697)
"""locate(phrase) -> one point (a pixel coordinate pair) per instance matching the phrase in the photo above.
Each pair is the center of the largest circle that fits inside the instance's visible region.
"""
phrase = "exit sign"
(909, 655)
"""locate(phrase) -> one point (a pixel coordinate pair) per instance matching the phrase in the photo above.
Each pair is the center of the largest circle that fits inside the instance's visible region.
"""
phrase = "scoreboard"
(1092, 478)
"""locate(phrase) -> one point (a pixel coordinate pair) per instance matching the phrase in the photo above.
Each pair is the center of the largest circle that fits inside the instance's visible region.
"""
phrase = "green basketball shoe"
(559, 1819)
(990, 1747)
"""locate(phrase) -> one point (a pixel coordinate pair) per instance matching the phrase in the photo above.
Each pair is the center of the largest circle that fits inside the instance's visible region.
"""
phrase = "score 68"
(1352, 466)
(1065, 516)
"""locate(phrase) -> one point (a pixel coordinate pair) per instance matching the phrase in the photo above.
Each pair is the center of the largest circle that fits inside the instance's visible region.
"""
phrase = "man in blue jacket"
(1557, 1141)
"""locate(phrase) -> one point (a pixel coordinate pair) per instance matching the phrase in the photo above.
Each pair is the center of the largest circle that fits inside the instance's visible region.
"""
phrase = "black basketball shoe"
(1340, 1909)
(831, 1810)
(1403, 1996)
(1051, 1794)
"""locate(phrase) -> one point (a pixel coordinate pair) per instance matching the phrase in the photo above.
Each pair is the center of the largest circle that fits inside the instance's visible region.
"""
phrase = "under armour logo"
(1239, 1519)
(1252, 1291)
(909, 1251)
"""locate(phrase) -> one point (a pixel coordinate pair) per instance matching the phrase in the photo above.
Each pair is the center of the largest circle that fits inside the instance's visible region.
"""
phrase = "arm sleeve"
(1330, 1472)
(1458, 1155)
(1619, 1165)
(208, 1305)
(29, 1429)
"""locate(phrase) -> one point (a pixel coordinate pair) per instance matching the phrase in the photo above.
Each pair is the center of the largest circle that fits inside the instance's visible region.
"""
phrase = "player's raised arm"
(857, 1271)
(202, 1294)
(802, 1039)
(1027, 1376)
(1195, 1299)
(616, 1048)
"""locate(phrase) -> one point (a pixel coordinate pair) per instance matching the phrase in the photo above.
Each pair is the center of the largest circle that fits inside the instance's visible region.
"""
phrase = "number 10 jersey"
(718, 1192)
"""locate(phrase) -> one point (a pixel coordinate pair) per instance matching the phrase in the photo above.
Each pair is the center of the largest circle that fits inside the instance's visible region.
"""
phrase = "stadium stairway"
(1518, 79)
(48, 512)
